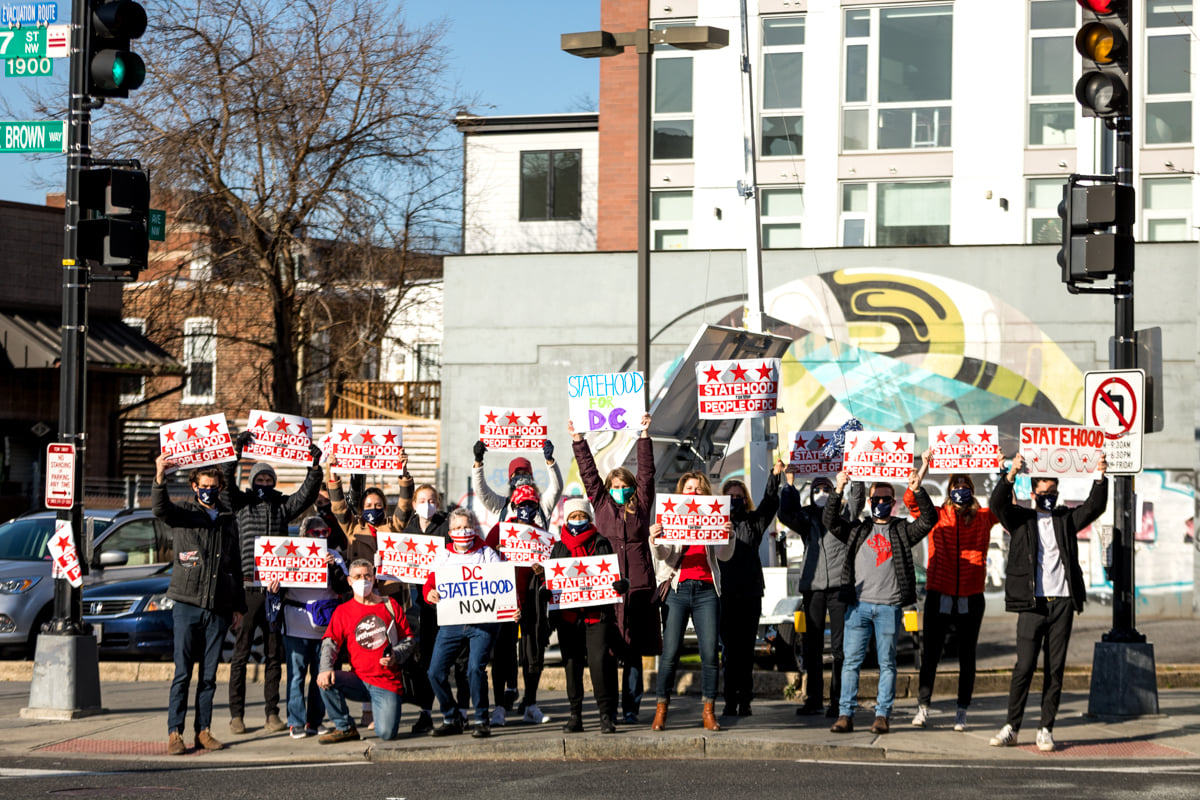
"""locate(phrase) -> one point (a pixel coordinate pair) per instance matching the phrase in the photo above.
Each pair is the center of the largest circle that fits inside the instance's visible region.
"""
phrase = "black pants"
(739, 631)
(417, 671)
(531, 657)
(504, 664)
(1046, 627)
(818, 604)
(578, 642)
(933, 639)
(256, 617)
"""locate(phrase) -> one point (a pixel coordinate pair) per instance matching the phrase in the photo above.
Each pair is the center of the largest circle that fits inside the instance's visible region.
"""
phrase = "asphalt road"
(619, 780)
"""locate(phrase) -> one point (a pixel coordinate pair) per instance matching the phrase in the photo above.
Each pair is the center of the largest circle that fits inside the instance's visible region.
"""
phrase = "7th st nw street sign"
(33, 137)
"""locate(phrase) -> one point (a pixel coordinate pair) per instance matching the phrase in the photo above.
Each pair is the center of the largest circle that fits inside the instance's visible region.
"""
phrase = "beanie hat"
(311, 523)
(578, 504)
(260, 468)
(519, 463)
(525, 494)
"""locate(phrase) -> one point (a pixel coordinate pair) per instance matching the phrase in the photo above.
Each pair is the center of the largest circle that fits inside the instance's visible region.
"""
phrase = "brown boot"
(709, 718)
(175, 745)
(660, 718)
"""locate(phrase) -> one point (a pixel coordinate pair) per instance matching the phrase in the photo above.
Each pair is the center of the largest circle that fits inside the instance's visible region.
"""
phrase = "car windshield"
(28, 539)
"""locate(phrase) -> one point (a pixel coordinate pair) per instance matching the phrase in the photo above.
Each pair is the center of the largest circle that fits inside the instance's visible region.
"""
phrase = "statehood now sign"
(472, 594)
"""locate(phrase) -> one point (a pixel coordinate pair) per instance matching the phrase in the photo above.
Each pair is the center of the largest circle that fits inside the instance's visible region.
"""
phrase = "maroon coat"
(629, 534)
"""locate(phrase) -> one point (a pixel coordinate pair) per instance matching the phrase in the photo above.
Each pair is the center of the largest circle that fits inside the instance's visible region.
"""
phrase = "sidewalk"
(134, 730)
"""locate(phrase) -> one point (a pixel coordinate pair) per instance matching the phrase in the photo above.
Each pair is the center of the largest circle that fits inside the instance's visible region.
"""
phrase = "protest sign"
(196, 442)
(578, 582)
(805, 456)
(472, 594)
(738, 389)
(63, 554)
(295, 561)
(366, 449)
(964, 448)
(878, 455)
(1061, 451)
(406, 556)
(524, 545)
(692, 518)
(612, 401)
(508, 428)
(279, 438)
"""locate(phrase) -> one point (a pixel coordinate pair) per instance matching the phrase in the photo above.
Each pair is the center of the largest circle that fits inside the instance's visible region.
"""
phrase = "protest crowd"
(380, 603)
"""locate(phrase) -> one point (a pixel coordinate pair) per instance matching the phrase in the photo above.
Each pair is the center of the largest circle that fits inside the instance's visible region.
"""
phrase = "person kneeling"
(375, 632)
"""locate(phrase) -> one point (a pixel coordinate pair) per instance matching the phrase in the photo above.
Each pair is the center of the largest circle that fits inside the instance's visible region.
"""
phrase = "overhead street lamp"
(601, 44)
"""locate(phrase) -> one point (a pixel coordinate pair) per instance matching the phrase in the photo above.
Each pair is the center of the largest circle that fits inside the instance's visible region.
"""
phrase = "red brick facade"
(616, 226)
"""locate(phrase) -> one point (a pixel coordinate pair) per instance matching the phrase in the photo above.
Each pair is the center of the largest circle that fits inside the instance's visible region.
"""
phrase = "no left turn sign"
(1114, 401)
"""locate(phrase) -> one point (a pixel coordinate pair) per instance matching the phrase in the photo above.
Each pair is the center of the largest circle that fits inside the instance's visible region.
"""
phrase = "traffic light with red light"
(1104, 89)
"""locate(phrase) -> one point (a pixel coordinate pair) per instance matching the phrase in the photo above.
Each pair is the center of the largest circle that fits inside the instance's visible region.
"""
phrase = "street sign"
(60, 475)
(23, 43)
(156, 225)
(1115, 401)
(28, 13)
(58, 41)
(32, 67)
(33, 137)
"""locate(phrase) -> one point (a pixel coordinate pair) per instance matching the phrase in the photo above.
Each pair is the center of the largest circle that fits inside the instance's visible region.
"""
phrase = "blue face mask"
(527, 513)
(621, 495)
(207, 497)
(881, 507)
(372, 516)
(1046, 502)
(578, 526)
(961, 497)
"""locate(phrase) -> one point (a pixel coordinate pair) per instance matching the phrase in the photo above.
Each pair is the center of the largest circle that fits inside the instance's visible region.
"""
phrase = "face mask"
(621, 495)
(362, 587)
(881, 507)
(578, 526)
(527, 513)
(961, 497)
(426, 510)
(1047, 501)
(737, 505)
(207, 497)
(372, 516)
(820, 499)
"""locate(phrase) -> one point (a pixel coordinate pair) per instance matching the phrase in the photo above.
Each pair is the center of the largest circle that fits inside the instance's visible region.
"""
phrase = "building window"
(897, 78)
(200, 359)
(1167, 210)
(895, 214)
(782, 122)
(1168, 72)
(1052, 61)
(133, 387)
(670, 219)
(782, 218)
(1041, 210)
(672, 130)
(551, 184)
(429, 361)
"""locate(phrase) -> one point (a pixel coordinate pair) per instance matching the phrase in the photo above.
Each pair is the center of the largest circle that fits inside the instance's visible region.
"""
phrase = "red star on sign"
(266, 547)
(899, 444)
(170, 435)
(213, 426)
(389, 543)
(800, 442)
(669, 506)
(345, 435)
(491, 417)
(559, 569)
(941, 437)
(314, 548)
(713, 374)
(389, 437)
(292, 548)
(877, 443)
(306, 428)
(580, 568)
(985, 436)
(821, 441)
(259, 423)
(853, 443)
(739, 372)
(410, 546)
(963, 436)
(693, 507)
(280, 425)
(765, 371)
(64, 542)
(190, 430)
(367, 436)
(604, 566)
(511, 532)
(513, 418)
(535, 419)
(431, 547)
(715, 506)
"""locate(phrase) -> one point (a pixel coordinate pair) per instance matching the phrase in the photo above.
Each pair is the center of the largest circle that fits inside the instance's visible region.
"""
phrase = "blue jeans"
(385, 704)
(198, 636)
(861, 620)
(698, 600)
(445, 650)
(631, 686)
(303, 660)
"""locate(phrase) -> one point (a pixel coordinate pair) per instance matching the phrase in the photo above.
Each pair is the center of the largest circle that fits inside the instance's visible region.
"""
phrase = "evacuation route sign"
(60, 475)
(1115, 402)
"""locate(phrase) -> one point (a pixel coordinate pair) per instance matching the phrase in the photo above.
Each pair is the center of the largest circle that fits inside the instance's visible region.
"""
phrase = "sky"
(503, 56)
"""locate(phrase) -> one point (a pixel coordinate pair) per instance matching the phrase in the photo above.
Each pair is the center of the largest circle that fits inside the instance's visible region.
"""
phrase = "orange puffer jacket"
(957, 550)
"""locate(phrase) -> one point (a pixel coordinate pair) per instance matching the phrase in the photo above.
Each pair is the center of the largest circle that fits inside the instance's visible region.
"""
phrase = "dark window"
(551, 184)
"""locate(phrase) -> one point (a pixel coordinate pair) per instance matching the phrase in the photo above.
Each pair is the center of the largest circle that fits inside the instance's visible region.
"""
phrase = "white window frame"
(790, 219)
(193, 329)
(871, 105)
(871, 215)
(783, 112)
(671, 225)
(1149, 215)
(663, 52)
(1174, 97)
(139, 325)
(1067, 99)
(1034, 213)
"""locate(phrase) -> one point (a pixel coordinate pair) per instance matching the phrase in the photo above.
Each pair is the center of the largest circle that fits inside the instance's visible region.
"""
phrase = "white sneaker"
(1007, 737)
(498, 717)
(1045, 741)
(534, 714)
(960, 720)
(921, 717)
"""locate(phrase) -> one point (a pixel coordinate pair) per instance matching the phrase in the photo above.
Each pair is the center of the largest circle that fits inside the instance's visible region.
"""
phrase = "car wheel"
(257, 647)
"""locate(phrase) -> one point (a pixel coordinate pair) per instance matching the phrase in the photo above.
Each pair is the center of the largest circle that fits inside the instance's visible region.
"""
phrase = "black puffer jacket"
(269, 514)
(742, 574)
(207, 569)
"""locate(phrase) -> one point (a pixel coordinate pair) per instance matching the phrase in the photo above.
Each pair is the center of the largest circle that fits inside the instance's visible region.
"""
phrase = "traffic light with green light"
(113, 71)
(1104, 89)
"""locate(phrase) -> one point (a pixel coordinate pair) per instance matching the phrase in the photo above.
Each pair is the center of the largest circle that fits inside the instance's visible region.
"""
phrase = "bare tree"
(304, 148)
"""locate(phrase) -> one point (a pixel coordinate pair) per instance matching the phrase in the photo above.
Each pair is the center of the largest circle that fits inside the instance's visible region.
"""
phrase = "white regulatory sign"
(60, 475)
(1115, 401)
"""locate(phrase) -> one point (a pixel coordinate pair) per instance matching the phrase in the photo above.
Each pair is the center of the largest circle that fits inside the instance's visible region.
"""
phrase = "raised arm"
(1001, 501)
(1097, 500)
(305, 496)
(490, 500)
(832, 518)
(593, 484)
(553, 492)
(645, 470)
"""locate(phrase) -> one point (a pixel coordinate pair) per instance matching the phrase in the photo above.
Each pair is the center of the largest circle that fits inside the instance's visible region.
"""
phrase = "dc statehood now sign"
(1061, 451)
(473, 594)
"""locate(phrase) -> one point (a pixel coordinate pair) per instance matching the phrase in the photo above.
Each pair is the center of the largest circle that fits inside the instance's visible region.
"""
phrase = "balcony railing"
(373, 399)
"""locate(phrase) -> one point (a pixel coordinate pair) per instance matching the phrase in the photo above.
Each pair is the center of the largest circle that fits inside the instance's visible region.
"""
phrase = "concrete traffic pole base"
(1124, 680)
(66, 679)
